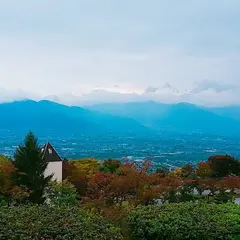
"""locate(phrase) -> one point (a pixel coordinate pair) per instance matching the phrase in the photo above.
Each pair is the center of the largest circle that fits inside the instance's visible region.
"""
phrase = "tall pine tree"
(31, 165)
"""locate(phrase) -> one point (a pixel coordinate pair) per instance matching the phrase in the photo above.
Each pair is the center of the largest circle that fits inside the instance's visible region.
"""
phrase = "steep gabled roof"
(50, 154)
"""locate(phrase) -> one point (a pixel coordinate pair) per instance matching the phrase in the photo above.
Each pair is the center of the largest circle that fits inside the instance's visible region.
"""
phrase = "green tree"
(110, 165)
(30, 167)
(187, 171)
(224, 165)
(162, 171)
(61, 193)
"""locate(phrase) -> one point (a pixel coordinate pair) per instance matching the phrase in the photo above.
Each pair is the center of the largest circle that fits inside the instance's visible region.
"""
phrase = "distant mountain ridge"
(229, 111)
(47, 116)
(122, 118)
(181, 117)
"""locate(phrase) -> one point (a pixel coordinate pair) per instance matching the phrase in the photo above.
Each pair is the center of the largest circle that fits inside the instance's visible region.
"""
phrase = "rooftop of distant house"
(50, 154)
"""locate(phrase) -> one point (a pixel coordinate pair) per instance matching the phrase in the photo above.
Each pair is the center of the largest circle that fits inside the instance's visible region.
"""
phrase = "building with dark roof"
(55, 162)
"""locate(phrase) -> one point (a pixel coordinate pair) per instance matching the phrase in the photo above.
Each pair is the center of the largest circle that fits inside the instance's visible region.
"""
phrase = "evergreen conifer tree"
(31, 165)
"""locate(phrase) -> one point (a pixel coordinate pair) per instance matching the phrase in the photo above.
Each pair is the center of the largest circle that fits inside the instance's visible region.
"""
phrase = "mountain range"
(181, 117)
(122, 118)
(49, 117)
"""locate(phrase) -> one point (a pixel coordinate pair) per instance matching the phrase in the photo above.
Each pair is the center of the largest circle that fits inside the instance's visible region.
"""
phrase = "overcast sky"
(81, 52)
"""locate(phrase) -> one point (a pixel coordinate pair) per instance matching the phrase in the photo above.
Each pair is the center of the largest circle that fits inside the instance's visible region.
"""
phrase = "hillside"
(144, 112)
(189, 117)
(182, 117)
(46, 116)
(229, 111)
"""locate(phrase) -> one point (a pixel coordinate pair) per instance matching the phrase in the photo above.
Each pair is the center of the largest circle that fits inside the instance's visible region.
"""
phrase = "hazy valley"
(168, 134)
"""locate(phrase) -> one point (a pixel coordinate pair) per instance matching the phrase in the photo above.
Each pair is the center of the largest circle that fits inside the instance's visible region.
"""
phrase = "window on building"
(50, 151)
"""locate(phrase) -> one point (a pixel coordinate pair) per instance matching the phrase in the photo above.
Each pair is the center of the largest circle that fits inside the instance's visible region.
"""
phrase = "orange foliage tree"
(131, 183)
(6, 170)
(79, 172)
(230, 183)
(113, 185)
(204, 170)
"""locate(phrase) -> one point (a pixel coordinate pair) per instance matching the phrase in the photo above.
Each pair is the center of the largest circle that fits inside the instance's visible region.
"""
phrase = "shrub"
(224, 165)
(185, 221)
(110, 165)
(78, 172)
(53, 223)
(6, 171)
(61, 193)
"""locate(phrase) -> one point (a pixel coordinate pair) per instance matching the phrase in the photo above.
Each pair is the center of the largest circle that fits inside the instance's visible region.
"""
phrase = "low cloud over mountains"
(206, 92)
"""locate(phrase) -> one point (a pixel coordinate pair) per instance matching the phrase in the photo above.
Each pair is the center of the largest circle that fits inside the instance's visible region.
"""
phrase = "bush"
(53, 223)
(61, 193)
(224, 165)
(185, 221)
(110, 165)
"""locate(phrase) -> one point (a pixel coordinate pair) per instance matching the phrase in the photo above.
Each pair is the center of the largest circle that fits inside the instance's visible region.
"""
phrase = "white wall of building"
(56, 169)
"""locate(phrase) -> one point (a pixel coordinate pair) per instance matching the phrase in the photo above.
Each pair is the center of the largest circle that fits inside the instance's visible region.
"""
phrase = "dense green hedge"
(169, 221)
(58, 223)
(185, 221)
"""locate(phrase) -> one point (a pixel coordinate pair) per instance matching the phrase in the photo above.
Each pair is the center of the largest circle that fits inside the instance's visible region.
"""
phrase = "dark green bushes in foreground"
(180, 221)
(58, 223)
(185, 221)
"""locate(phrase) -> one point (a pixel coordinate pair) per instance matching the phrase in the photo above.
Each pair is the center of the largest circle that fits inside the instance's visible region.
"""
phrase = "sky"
(84, 52)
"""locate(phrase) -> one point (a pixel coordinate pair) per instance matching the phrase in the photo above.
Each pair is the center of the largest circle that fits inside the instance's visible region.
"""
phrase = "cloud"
(214, 85)
(56, 71)
(96, 96)
(205, 98)
(16, 95)
(128, 50)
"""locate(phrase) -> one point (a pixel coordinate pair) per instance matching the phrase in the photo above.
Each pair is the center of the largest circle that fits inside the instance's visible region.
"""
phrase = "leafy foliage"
(53, 223)
(6, 170)
(86, 165)
(224, 165)
(110, 165)
(130, 183)
(163, 171)
(61, 193)
(78, 172)
(204, 170)
(19, 195)
(185, 221)
(187, 171)
(30, 167)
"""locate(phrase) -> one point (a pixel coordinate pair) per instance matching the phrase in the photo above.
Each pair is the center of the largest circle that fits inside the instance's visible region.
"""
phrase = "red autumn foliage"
(204, 170)
(230, 183)
(6, 170)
